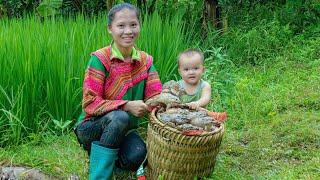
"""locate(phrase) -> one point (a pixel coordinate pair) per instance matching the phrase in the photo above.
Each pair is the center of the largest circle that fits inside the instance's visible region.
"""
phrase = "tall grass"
(42, 67)
(164, 39)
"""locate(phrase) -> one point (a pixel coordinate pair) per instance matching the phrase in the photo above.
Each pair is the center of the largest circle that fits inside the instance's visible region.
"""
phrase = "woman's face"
(125, 28)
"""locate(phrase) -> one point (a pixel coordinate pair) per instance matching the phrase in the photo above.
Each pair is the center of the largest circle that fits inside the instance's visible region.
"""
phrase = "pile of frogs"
(186, 119)
(179, 116)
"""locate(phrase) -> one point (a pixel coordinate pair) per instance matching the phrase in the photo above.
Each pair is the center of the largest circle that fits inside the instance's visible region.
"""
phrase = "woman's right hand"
(137, 108)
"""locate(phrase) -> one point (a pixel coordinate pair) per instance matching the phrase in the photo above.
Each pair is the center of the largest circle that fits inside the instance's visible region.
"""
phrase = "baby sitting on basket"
(191, 92)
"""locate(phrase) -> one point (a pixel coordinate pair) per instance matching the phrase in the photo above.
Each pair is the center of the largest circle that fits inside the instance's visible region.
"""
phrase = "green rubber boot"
(102, 161)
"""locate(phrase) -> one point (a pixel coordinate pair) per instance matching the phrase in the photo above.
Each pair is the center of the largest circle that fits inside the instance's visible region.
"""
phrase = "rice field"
(43, 61)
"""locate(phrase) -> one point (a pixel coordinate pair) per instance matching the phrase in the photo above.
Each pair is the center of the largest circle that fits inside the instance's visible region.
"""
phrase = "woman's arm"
(152, 87)
(93, 90)
(153, 84)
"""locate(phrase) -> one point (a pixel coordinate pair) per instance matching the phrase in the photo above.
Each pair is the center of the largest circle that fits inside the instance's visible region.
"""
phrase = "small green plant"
(62, 126)
(160, 177)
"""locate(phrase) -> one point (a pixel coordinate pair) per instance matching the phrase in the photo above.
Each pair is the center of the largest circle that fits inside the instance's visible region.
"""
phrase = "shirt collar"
(115, 53)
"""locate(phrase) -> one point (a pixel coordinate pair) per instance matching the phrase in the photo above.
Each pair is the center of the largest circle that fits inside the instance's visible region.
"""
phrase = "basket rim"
(155, 120)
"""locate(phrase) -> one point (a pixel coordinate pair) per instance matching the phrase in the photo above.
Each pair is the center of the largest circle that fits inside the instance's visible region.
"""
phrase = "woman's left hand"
(137, 108)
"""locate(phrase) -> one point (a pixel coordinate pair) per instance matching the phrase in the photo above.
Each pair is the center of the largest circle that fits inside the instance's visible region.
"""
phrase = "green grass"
(274, 126)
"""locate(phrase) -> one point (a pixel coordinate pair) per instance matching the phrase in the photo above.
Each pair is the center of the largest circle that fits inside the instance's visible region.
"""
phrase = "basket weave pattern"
(176, 156)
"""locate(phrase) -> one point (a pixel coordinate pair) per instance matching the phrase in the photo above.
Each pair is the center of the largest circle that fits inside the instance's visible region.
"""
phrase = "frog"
(187, 126)
(165, 100)
(173, 88)
(204, 122)
(175, 118)
(21, 173)
(169, 97)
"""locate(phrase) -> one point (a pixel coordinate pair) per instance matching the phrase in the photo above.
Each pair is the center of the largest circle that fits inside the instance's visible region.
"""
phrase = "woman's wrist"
(124, 107)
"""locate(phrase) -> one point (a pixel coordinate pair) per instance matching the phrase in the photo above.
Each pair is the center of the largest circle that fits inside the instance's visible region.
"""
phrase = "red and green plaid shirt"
(110, 82)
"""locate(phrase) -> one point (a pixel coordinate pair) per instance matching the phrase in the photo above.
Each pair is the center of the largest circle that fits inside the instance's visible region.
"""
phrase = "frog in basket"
(169, 97)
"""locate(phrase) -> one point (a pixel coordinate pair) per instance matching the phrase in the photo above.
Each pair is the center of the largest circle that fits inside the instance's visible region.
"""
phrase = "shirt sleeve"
(153, 84)
(93, 102)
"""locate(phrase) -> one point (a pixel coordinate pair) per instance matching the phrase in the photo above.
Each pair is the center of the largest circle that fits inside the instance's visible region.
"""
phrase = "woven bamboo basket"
(172, 155)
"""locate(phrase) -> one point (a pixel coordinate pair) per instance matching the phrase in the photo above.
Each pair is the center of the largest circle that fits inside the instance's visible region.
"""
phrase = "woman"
(118, 79)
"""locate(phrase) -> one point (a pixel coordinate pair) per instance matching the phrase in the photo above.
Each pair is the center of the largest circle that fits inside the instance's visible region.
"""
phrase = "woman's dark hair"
(120, 7)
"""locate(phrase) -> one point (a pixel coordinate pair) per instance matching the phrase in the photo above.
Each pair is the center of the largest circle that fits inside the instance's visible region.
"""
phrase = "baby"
(191, 68)
(197, 91)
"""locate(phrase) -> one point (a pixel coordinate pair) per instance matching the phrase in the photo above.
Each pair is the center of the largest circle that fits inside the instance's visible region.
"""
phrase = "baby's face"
(191, 68)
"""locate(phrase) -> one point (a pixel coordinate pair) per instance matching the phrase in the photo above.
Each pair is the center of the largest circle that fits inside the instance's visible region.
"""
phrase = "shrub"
(257, 45)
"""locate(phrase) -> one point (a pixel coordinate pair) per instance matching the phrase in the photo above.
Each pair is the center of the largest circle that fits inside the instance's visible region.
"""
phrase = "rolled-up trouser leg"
(132, 152)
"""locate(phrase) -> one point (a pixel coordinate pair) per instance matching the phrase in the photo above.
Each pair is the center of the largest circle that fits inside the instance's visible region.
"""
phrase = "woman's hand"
(137, 108)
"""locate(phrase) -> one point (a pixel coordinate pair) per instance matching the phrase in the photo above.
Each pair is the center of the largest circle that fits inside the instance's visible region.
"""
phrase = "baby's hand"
(193, 105)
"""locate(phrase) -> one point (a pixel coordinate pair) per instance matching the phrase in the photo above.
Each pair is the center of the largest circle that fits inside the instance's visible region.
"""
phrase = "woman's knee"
(87, 132)
(117, 118)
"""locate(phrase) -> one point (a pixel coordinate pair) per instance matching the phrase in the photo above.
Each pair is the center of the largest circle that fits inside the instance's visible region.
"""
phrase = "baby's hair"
(190, 52)
(120, 7)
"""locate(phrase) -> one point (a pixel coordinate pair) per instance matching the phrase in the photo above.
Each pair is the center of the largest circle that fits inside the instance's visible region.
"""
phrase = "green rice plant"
(42, 69)
(164, 39)
(13, 127)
